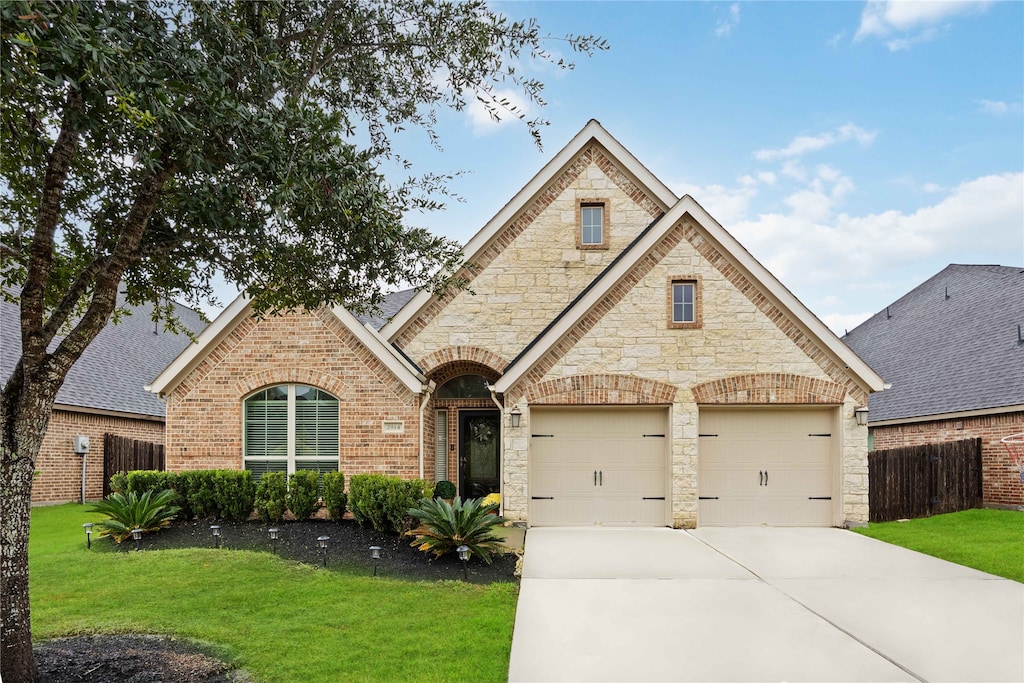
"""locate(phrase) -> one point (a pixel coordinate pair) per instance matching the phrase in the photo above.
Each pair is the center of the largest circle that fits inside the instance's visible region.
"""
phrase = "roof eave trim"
(195, 352)
(592, 131)
(938, 417)
(381, 350)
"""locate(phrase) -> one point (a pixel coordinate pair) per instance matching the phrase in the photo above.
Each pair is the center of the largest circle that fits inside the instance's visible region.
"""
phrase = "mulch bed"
(143, 659)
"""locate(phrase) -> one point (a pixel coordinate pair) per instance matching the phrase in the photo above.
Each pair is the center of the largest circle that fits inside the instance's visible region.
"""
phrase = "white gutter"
(428, 389)
(501, 446)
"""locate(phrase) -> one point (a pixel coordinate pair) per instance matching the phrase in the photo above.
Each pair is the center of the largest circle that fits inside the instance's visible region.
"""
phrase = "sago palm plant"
(148, 512)
(444, 527)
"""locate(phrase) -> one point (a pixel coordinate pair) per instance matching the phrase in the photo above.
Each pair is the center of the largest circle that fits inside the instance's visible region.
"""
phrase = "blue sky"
(855, 149)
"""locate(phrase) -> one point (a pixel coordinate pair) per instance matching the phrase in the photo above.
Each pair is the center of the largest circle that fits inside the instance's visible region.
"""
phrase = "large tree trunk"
(25, 409)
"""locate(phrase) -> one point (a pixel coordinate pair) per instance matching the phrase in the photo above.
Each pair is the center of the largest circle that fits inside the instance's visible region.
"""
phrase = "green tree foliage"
(443, 527)
(148, 145)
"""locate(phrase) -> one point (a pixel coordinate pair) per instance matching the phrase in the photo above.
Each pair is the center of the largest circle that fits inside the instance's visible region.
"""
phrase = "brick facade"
(1001, 482)
(204, 412)
(60, 468)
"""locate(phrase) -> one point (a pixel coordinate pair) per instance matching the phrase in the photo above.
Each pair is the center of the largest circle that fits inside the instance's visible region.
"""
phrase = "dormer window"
(591, 228)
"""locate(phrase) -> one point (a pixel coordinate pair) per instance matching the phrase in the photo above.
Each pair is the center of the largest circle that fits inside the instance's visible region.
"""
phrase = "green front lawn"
(279, 620)
(989, 540)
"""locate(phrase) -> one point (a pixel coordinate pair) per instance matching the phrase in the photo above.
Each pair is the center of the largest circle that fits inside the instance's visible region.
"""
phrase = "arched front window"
(465, 386)
(291, 427)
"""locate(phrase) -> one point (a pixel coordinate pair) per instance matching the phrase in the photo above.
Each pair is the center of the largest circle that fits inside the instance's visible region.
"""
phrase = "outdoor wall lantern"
(215, 530)
(861, 413)
(273, 538)
(375, 556)
(463, 551)
(516, 416)
(137, 535)
(88, 534)
(321, 541)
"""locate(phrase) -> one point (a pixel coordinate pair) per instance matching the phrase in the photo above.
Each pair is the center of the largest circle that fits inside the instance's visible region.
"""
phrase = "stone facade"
(1001, 480)
(59, 478)
(204, 412)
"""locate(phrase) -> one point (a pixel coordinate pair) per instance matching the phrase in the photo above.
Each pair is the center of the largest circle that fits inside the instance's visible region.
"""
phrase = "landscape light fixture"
(516, 416)
(273, 538)
(88, 534)
(375, 555)
(137, 535)
(861, 414)
(463, 551)
(321, 541)
(215, 530)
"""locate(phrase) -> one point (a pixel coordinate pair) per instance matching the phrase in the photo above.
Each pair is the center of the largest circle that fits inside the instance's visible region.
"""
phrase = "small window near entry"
(591, 230)
(684, 303)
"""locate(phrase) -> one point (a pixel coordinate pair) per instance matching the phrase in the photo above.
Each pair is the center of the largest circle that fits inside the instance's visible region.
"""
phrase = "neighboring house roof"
(240, 309)
(950, 345)
(642, 246)
(391, 305)
(112, 371)
(592, 132)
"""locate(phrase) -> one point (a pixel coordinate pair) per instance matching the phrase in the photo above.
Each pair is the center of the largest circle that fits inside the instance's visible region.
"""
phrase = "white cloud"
(480, 118)
(803, 144)
(997, 108)
(729, 22)
(840, 323)
(922, 19)
(931, 188)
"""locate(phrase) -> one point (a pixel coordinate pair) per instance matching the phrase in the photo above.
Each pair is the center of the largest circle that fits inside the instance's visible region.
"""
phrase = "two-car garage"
(611, 466)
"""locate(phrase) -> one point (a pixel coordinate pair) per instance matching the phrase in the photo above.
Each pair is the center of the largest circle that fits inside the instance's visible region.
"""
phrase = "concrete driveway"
(756, 604)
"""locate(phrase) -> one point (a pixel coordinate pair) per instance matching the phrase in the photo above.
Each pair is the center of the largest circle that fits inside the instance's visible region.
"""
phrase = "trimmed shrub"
(148, 512)
(444, 527)
(445, 489)
(384, 502)
(118, 482)
(271, 496)
(334, 494)
(303, 493)
(234, 494)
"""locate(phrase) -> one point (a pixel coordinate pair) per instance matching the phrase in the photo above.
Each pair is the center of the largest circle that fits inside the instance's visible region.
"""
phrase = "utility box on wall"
(81, 445)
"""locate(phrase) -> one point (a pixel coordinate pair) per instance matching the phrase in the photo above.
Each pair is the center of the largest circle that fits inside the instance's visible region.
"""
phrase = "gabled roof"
(948, 346)
(112, 371)
(591, 133)
(240, 309)
(389, 307)
(742, 259)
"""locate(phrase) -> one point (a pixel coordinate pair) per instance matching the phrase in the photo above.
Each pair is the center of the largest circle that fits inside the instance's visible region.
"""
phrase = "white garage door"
(767, 466)
(599, 466)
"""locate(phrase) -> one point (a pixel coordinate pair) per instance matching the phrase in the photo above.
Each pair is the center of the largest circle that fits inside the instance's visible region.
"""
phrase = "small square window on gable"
(684, 303)
(591, 224)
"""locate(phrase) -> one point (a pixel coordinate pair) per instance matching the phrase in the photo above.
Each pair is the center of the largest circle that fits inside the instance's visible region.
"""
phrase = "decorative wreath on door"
(481, 432)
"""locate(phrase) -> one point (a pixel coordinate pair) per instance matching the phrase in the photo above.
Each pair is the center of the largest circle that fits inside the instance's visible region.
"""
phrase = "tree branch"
(33, 293)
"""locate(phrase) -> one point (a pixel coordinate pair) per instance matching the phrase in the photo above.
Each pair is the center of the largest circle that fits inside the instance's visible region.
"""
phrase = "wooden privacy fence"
(918, 481)
(121, 454)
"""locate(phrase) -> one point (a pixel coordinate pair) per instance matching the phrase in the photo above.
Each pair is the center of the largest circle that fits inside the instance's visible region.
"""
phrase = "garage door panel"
(596, 466)
(764, 466)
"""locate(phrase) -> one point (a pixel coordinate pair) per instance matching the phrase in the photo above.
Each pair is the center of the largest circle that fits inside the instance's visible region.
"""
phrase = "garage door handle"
(707, 497)
(653, 498)
(766, 477)
(760, 478)
(595, 477)
(600, 477)
(542, 497)
(819, 497)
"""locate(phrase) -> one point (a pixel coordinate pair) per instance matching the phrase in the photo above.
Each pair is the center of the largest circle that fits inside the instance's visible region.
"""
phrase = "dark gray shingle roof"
(947, 355)
(391, 305)
(114, 368)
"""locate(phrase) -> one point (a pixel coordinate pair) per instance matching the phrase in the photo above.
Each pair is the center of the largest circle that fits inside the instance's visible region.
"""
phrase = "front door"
(479, 453)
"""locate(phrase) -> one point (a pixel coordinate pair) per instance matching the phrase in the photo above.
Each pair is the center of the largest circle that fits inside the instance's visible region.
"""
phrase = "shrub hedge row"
(384, 502)
(232, 494)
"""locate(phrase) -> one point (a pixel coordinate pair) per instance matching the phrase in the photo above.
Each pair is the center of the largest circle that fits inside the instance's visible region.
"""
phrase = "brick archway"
(769, 388)
(462, 354)
(600, 390)
(271, 376)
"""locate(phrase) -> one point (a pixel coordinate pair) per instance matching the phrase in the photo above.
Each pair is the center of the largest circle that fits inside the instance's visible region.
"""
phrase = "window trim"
(698, 308)
(591, 203)
(292, 461)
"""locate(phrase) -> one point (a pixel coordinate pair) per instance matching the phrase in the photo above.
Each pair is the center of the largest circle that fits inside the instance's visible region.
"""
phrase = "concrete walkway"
(755, 604)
